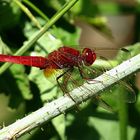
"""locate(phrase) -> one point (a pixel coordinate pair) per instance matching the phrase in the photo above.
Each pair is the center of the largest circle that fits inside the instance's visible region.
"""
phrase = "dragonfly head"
(88, 56)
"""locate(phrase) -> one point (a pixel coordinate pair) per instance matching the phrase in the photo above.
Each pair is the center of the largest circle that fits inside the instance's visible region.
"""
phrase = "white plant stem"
(60, 105)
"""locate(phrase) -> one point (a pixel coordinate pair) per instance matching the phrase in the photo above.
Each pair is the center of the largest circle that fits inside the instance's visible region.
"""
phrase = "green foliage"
(28, 86)
(10, 10)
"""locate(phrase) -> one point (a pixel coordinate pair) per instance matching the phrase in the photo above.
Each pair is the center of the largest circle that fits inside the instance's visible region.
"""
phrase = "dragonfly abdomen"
(35, 61)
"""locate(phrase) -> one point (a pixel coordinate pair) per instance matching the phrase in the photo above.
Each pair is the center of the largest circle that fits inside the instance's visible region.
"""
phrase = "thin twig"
(28, 13)
(36, 9)
(64, 103)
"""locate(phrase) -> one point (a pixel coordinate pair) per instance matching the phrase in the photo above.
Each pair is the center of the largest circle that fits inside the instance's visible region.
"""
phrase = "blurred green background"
(92, 23)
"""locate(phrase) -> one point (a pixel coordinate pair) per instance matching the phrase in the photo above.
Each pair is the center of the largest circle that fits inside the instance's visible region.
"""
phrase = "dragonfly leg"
(88, 80)
(66, 76)
(98, 101)
(64, 89)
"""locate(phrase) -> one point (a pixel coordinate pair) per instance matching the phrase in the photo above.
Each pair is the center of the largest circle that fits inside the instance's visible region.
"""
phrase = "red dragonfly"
(63, 58)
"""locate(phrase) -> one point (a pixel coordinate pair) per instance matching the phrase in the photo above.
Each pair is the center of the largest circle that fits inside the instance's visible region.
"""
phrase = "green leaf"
(66, 37)
(107, 132)
(60, 126)
(10, 88)
(132, 51)
(22, 81)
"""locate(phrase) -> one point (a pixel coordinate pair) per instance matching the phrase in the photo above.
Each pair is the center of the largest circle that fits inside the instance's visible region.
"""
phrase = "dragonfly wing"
(98, 101)
(52, 74)
(129, 96)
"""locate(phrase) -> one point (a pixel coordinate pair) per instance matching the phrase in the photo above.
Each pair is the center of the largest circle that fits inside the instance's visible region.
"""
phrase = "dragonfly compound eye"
(89, 56)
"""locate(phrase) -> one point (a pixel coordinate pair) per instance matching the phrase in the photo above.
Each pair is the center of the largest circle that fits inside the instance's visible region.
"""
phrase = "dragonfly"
(65, 58)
